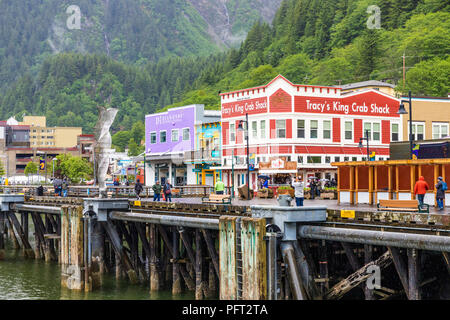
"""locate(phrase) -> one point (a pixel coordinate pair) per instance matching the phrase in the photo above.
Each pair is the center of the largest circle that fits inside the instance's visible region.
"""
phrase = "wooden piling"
(154, 260)
(27, 250)
(368, 293)
(176, 281)
(198, 266)
(413, 274)
(2, 237)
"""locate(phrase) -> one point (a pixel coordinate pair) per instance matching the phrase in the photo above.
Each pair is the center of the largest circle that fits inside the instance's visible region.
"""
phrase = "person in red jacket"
(420, 189)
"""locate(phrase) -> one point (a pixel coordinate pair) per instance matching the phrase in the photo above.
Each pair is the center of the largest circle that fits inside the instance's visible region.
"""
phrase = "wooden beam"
(351, 256)
(186, 239)
(341, 288)
(400, 267)
(368, 250)
(28, 250)
(446, 257)
(198, 266)
(212, 250)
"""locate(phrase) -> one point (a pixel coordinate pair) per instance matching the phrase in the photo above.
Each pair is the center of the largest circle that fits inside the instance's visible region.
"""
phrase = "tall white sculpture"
(103, 146)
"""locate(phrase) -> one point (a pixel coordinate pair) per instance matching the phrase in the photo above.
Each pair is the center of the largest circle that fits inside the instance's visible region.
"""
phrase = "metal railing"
(114, 191)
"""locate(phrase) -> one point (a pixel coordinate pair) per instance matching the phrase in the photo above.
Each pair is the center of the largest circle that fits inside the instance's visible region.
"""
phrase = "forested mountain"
(309, 41)
(131, 31)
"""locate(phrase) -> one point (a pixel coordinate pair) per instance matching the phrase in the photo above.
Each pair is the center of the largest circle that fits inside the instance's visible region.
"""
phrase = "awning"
(275, 171)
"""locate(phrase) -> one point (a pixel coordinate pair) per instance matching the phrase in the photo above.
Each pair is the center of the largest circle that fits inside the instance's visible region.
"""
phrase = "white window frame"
(232, 133)
(311, 128)
(189, 131)
(323, 130)
(439, 125)
(156, 138)
(351, 130)
(371, 131)
(177, 135)
(414, 125)
(398, 131)
(255, 129)
(278, 129)
(263, 129)
(304, 129)
(165, 132)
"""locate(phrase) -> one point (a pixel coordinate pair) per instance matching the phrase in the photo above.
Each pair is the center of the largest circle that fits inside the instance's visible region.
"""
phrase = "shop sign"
(277, 164)
(240, 108)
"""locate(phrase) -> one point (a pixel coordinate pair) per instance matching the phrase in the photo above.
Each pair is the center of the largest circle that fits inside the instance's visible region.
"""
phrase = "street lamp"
(240, 127)
(402, 110)
(360, 145)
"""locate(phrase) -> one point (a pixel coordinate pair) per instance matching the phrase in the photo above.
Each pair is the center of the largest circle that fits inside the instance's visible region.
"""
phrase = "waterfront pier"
(234, 252)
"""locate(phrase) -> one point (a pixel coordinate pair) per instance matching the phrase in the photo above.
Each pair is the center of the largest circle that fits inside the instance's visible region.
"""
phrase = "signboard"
(364, 104)
(277, 164)
(348, 214)
(240, 108)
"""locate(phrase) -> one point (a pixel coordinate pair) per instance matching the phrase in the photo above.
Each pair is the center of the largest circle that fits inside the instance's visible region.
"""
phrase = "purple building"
(168, 136)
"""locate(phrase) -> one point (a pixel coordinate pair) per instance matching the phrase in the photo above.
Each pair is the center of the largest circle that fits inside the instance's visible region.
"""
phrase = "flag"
(41, 164)
(415, 151)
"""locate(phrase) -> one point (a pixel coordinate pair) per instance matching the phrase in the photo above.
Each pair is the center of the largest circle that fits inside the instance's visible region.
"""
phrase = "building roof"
(365, 84)
(20, 127)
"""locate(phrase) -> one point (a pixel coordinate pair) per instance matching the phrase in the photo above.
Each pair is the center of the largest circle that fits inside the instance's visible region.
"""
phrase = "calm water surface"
(37, 280)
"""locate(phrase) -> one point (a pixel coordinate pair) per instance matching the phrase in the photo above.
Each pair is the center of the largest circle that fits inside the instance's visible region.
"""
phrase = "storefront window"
(327, 159)
(394, 136)
(314, 128)
(162, 136)
(153, 137)
(337, 159)
(300, 159)
(175, 135)
(327, 129)
(186, 134)
(281, 128)
(348, 130)
(263, 129)
(301, 129)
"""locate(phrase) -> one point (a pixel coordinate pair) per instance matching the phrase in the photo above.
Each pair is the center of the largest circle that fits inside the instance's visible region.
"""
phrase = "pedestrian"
(420, 189)
(299, 191)
(116, 182)
(40, 190)
(64, 187)
(266, 183)
(168, 191)
(219, 187)
(313, 187)
(57, 185)
(157, 191)
(138, 188)
(441, 187)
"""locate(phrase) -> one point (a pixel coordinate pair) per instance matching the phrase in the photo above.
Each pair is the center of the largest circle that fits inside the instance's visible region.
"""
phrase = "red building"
(311, 125)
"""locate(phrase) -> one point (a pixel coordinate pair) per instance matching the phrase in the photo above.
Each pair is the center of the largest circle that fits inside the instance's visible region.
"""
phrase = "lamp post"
(402, 110)
(240, 127)
(360, 145)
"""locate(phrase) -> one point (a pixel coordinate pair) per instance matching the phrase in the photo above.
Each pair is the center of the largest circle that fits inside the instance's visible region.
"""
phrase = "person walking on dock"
(420, 189)
(57, 185)
(441, 187)
(64, 187)
(219, 187)
(157, 191)
(313, 188)
(299, 191)
(138, 189)
(168, 191)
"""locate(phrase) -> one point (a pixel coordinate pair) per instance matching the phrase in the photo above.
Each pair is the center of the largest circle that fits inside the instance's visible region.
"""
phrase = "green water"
(28, 279)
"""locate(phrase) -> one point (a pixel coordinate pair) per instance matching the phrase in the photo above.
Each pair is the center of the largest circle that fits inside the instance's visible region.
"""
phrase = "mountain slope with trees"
(310, 41)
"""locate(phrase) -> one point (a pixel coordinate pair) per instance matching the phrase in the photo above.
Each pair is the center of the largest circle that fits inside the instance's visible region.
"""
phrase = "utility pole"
(404, 70)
